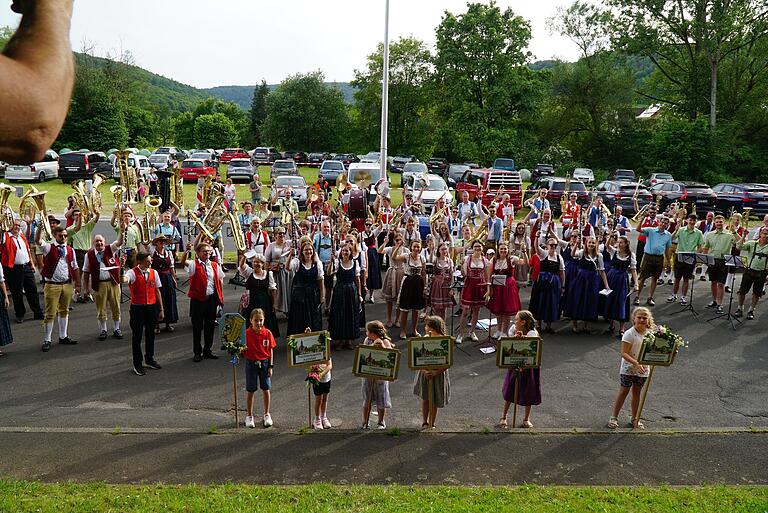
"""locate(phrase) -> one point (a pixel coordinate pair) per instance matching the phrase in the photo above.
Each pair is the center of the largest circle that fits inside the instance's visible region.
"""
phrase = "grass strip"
(24, 496)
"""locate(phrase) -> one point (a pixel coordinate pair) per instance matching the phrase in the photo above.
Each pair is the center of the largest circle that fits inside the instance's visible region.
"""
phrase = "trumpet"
(641, 213)
(747, 211)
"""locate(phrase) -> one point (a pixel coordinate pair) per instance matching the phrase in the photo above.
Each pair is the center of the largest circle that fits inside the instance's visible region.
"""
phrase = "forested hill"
(242, 95)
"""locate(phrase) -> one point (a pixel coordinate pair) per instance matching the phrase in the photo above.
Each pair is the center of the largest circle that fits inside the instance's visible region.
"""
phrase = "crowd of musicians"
(318, 269)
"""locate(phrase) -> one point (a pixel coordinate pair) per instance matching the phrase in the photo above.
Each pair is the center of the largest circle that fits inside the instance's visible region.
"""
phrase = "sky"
(207, 43)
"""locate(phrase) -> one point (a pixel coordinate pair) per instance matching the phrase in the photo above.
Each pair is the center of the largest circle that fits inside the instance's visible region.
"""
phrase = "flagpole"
(385, 93)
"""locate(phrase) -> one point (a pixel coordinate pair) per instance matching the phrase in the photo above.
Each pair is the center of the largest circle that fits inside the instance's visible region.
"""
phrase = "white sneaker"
(267, 420)
(326, 423)
(473, 336)
(381, 425)
(318, 424)
(672, 298)
(459, 339)
(683, 301)
(249, 423)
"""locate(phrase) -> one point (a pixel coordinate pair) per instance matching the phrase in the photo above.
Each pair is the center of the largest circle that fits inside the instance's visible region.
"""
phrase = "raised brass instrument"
(95, 195)
(237, 230)
(26, 206)
(604, 210)
(564, 197)
(118, 192)
(200, 225)
(6, 213)
(747, 211)
(38, 198)
(341, 184)
(82, 200)
(177, 191)
(146, 226)
(128, 176)
(434, 217)
(641, 213)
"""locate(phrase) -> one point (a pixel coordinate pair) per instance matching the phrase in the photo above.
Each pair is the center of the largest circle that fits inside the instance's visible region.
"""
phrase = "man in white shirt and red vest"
(101, 274)
(206, 280)
(19, 271)
(146, 311)
(60, 272)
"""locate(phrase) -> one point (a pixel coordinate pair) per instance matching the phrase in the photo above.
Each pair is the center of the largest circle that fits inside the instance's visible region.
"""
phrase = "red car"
(234, 153)
(192, 169)
(487, 183)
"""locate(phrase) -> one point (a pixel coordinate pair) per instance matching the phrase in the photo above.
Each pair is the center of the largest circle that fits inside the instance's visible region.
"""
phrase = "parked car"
(504, 163)
(415, 167)
(283, 167)
(455, 172)
(192, 169)
(472, 165)
(655, 178)
(438, 166)
(3, 166)
(435, 188)
(690, 193)
(234, 153)
(46, 169)
(316, 159)
(491, 181)
(542, 171)
(265, 155)
(297, 156)
(623, 175)
(140, 163)
(736, 196)
(619, 193)
(556, 189)
(346, 158)
(399, 162)
(370, 171)
(298, 185)
(584, 175)
(206, 155)
(78, 165)
(371, 157)
(159, 161)
(241, 169)
(173, 151)
(331, 169)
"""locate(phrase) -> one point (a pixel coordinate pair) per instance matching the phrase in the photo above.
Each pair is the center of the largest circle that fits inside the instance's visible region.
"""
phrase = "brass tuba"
(95, 196)
(237, 230)
(38, 198)
(81, 198)
(6, 213)
(177, 191)
(128, 176)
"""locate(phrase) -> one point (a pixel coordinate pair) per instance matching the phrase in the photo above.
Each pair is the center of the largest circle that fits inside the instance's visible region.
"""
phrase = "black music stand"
(691, 258)
(735, 265)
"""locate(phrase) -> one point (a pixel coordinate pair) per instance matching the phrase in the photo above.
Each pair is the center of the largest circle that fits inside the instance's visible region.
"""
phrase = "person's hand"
(518, 334)
(269, 372)
(7, 304)
(160, 315)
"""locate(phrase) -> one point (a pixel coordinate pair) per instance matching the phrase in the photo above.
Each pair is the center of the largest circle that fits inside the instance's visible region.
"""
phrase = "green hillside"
(242, 95)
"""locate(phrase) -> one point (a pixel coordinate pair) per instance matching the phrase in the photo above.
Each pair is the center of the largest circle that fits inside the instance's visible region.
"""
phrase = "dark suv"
(689, 193)
(81, 165)
(399, 162)
(616, 193)
(623, 175)
(556, 186)
(541, 171)
(316, 159)
(736, 196)
(437, 166)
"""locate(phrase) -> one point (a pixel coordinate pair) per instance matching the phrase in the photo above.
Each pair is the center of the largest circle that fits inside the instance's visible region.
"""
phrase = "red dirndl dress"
(473, 293)
(505, 299)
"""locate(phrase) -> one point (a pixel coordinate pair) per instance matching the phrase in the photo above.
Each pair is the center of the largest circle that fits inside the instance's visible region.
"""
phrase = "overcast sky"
(207, 43)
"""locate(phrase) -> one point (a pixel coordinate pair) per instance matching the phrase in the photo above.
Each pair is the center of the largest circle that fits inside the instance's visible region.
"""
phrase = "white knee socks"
(63, 322)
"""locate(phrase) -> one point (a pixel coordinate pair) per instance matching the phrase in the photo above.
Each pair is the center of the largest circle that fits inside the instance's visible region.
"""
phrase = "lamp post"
(385, 93)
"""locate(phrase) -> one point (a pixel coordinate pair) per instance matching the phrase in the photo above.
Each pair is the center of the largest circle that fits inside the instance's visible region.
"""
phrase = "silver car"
(283, 167)
(241, 169)
(298, 188)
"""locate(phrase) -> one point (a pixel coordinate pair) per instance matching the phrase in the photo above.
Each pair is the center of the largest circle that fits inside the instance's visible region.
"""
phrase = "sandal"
(503, 423)
(388, 324)
(640, 424)
(424, 425)
(527, 424)
(613, 423)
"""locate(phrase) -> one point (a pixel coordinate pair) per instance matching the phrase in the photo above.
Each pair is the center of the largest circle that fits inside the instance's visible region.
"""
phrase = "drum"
(357, 206)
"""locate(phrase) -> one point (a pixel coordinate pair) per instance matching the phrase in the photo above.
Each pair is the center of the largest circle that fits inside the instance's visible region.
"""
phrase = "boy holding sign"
(259, 358)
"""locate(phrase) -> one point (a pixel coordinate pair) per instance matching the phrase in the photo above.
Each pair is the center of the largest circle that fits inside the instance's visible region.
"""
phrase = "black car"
(737, 196)
(437, 166)
(623, 175)
(316, 159)
(81, 165)
(330, 170)
(541, 171)
(556, 189)
(346, 158)
(618, 193)
(688, 193)
(399, 162)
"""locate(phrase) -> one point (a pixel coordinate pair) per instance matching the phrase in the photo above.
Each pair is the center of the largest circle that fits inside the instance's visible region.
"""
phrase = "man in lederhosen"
(206, 280)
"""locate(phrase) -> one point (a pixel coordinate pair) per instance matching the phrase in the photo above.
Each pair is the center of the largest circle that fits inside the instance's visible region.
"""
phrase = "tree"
(215, 131)
(488, 97)
(258, 113)
(142, 127)
(411, 121)
(305, 113)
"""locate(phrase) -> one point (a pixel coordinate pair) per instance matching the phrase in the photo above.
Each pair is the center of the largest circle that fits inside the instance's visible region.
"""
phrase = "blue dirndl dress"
(616, 305)
(305, 301)
(545, 295)
(373, 276)
(571, 270)
(584, 291)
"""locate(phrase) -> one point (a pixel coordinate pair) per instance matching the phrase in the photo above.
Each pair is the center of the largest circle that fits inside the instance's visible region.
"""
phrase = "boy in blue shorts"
(259, 356)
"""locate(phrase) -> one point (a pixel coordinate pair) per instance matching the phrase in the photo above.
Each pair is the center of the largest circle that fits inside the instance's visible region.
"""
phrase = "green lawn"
(56, 198)
(27, 496)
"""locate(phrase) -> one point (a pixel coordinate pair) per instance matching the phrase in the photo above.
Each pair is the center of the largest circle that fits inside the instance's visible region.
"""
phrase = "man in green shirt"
(718, 243)
(689, 240)
(80, 240)
(755, 255)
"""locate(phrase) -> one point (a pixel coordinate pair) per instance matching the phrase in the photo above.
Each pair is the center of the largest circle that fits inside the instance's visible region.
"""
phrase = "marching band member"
(615, 307)
(454, 223)
(595, 216)
(571, 264)
(324, 246)
(60, 272)
(262, 292)
(570, 216)
(519, 244)
(756, 234)
(360, 256)
(440, 207)
(718, 243)
(101, 274)
(245, 217)
(170, 231)
(737, 230)
(410, 233)
(495, 229)
(80, 237)
(307, 291)
(373, 276)
(473, 294)
(669, 254)
(549, 287)
(584, 294)
(689, 240)
(542, 228)
(146, 311)
(277, 257)
(206, 280)
(316, 219)
(506, 210)
(393, 278)
(256, 239)
(443, 234)
(131, 237)
(649, 221)
(383, 206)
(529, 385)
(264, 212)
(461, 247)
(19, 271)
(620, 221)
(411, 298)
(538, 204)
(756, 274)
(503, 300)
(344, 318)
(467, 210)
(440, 295)
(164, 263)
(658, 239)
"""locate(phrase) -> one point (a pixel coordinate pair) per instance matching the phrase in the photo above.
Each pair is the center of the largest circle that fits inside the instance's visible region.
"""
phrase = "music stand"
(691, 258)
(735, 264)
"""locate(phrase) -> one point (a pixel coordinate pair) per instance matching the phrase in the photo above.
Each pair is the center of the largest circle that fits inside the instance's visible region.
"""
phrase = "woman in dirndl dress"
(548, 287)
(307, 291)
(262, 292)
(440, 387)
(376, 391)
(6, 336)
(373, 274)
(411, 298)
(473, 295)
(571, 267)
(615, 307)
(163, 261)
(344, 317)
(360, 256)
(394, 275)
(529, 385)
(520, 243)
(277, 256)
(584, 294)
(440, 293)
(504, 299)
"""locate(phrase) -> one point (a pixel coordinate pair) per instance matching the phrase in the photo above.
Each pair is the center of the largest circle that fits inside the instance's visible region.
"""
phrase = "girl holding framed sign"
(434, 326)
(529, 386)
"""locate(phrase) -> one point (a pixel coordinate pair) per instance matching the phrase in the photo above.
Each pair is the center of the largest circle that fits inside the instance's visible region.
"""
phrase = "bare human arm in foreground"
(36, 79)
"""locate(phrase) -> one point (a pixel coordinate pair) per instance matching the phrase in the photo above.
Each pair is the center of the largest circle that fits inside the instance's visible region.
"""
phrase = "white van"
(46, 169)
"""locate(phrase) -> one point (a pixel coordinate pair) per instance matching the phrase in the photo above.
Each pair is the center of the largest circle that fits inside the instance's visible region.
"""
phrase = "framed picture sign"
(376, 363)
(307, 349)
(518, 353)
(430, 353)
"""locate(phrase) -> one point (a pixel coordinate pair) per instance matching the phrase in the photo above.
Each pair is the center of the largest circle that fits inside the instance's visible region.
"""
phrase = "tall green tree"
(305, 113)
(215, 131)
(258, 113)
(411, 121)
(489, 98)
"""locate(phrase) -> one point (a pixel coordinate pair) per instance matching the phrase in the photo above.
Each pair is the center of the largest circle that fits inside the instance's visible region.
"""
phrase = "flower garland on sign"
(313, 376)
(235, 349)
(676, 342)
